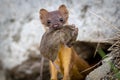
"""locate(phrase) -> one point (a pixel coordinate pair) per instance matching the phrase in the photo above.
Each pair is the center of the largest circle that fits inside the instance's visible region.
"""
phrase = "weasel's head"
(54, 19)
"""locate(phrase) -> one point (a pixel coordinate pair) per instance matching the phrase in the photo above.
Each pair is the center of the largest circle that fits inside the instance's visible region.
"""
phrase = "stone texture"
(101, 71)
(21, 30)
(29, 70)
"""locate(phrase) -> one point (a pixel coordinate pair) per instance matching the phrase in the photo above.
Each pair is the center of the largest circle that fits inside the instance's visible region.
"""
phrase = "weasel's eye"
(48, 22)
(61, 19)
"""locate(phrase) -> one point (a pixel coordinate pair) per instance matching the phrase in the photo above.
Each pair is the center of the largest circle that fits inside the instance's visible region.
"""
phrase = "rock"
(21, 30)
(2, 74)
(29, 70)
(100, 72)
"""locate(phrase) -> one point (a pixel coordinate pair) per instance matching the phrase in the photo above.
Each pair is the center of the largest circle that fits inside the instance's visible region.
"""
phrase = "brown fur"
(62, 58)
(53, 46)
(54, 19)
(51, 40)
(70, 65)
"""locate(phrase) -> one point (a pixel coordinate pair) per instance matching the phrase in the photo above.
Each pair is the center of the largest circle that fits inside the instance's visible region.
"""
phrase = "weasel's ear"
(63, 9)
(43, 13)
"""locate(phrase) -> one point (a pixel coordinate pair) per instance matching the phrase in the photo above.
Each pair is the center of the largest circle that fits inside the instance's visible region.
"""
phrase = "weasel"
(54, 19)
(56, 45)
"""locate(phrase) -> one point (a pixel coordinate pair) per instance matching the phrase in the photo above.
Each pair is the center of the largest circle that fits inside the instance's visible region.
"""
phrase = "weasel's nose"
(55, 26)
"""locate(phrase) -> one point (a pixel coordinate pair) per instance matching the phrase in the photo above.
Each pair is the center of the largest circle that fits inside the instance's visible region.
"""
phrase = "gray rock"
(101, 71)
(29, 70)
(21, 30)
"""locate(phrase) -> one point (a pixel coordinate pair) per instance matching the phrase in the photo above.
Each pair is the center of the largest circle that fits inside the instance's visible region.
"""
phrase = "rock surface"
(99, 72)
(21, 30)
(29, 70)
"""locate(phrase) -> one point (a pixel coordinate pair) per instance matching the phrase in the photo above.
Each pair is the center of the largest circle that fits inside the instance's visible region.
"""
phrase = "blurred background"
(21, 31)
